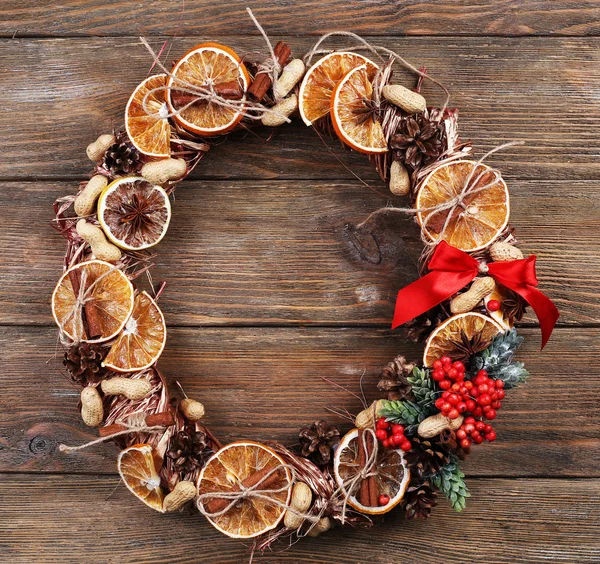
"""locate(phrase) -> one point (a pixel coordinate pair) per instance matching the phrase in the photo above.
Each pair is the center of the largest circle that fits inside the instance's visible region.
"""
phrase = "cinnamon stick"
(218, 504)
(364, 496)
(229, 90)
(262, 81)
(89, 316)
(371, 480)
(164, 418)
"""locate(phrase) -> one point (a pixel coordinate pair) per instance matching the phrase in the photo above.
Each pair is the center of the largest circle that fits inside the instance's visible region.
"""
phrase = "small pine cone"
(419, 499)
(394, 379)
(122, 158)
(427, 456)
(84, 362)
(419, 140)
(421, 327)
(317, 441)
(188, 449)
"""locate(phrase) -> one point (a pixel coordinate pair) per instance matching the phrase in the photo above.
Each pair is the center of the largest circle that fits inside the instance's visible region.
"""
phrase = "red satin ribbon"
(452, 269)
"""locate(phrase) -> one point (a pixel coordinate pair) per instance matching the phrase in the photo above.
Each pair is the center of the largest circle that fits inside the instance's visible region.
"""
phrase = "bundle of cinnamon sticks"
(259, 88)
(368, 494)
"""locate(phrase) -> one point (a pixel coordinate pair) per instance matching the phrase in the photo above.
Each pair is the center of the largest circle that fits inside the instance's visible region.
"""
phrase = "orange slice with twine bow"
(138, 467)
(460, 336)
(321, 79)
(146, 120)
(352, 116)
(108, 294)
(207, 68)
(248, 464)
(142, 340)
(391, 473)
(475, 223)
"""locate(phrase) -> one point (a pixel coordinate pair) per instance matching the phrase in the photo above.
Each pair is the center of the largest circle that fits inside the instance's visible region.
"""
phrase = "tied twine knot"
(271, 65)
(255, 491)
(470, 188)
(135, 423)
(474, 184)
(206, 93)
(350, 487)
(84, 295)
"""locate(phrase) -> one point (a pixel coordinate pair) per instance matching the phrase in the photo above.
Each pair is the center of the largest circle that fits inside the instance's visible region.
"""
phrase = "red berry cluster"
(450, 377)
(391, 435)
(480, 397)
(472, 431)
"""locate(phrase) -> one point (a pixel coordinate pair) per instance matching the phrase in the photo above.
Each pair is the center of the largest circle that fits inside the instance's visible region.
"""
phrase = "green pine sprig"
(424, 389)
(450, 481)
(402, 411)
(497, 360)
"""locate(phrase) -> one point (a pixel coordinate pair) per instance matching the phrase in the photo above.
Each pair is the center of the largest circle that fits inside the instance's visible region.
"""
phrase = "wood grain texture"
(72, 519)
(266, 383)
(285, 252)
(59, 94)
(387, 17)
(259, 240)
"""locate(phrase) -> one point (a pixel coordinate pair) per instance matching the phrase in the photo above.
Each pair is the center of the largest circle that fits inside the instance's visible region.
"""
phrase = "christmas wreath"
(405, 449)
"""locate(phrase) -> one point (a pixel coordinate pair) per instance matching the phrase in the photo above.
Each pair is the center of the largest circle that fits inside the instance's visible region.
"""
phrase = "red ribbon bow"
(452, 269)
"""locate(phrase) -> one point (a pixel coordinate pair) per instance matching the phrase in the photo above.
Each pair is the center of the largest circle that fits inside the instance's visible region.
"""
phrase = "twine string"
(207, 93)
(349, 487)
(469, 188)
(254, 492)
(271, 65)
(346, 490)
(84, 296)
(135, 423)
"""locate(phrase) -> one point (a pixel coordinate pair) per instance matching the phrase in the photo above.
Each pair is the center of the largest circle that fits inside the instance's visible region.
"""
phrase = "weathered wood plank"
(204, 18)
(252, 253)
(265, 383)
(66, 519)
(59, 94)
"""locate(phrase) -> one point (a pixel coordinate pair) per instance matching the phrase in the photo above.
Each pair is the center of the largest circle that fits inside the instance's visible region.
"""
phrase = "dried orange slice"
(134, 213)
(459, 336)
(110, 298)
(482, 219)
(321, 79)
(392, 476)
(352, 117)
(141, 342)
(138, 467)
(233, 465)
(209, 65)
(148, 127)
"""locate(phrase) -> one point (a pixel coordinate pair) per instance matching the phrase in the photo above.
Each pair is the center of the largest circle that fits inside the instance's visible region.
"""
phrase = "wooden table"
(268, 289)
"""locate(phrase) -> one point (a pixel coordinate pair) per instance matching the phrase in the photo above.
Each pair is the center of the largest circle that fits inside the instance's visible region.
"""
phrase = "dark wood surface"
(270, 289)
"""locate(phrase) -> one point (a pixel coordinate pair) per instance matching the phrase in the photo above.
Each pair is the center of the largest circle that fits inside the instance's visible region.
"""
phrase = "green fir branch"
(424, 389)
(401, 411)
(450, 481)
(497, 360)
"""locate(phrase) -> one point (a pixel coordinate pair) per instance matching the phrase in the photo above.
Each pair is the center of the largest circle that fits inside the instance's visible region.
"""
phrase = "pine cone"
(418, 141)
(394, 379)
(188, 449)
(318, 440)
(122, 158)
(426, 457)
(421, 327)
(419, 499)
(84, 363)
